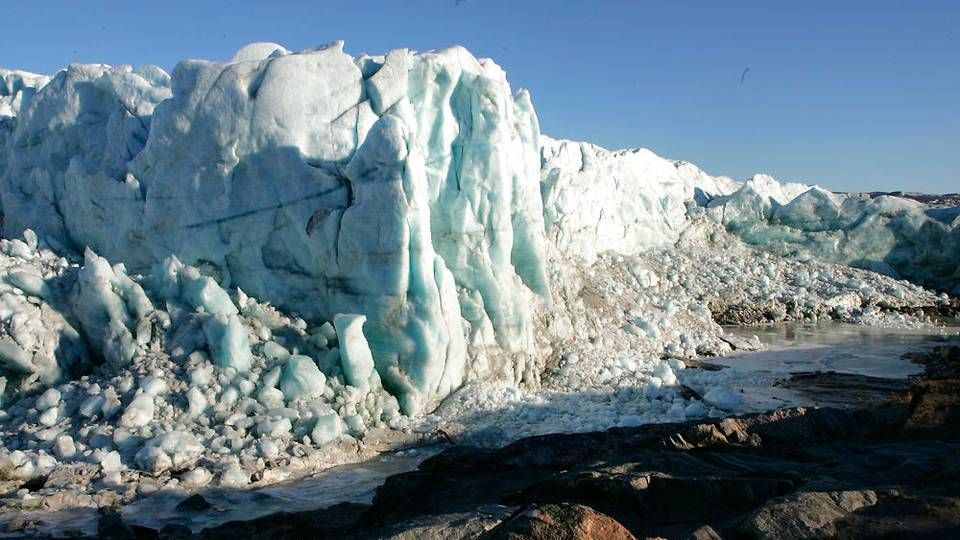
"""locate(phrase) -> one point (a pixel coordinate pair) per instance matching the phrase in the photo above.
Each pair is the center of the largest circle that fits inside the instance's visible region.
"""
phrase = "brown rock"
(560, 521)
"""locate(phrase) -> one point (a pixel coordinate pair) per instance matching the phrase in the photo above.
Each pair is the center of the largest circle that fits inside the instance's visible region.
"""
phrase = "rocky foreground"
(889, 468)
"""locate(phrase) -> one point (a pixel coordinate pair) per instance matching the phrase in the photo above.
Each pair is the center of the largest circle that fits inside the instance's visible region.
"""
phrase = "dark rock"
(175, 532)
(334, 522)
(193, 503)
(35, 484)
(459, 526)
(112, 527)
(904, 515)
(705, 532)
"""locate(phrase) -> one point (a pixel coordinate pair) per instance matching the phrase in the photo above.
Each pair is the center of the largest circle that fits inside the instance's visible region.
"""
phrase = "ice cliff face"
(403, 187)
(631, 201)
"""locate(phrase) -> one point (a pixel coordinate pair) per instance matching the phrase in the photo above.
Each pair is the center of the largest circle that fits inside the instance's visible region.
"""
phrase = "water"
(826, 347)
(346, 483)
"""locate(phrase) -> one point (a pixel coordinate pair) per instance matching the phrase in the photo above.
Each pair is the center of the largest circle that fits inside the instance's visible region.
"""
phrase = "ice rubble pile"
(188, 373)
(891, 235)
(622, 329)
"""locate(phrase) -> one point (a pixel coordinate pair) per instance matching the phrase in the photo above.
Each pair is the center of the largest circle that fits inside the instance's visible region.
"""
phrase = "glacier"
(403, 187)
(308, 257)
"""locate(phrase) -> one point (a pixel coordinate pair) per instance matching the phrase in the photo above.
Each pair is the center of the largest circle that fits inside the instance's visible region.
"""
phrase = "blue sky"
(855, 95)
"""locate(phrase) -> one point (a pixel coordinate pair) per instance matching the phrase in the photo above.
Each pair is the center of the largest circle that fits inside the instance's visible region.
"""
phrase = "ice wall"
(403, 187)
(625, 201)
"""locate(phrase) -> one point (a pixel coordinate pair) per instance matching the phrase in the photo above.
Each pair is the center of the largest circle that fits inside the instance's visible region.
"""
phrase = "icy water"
(347, 483)
(823, 348)
(754, 376)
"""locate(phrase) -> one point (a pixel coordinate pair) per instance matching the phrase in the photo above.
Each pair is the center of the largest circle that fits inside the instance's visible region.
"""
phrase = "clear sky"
(853, 95)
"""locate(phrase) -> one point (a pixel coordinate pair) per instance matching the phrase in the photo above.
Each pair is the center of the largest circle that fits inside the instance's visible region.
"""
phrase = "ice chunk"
(17, 88)
(389, 84)
(722, 398)
(48, 417)
(48, 399)
(175, 450)
(203, 292)
(229, 345)
(271, 398)
(64, 447)
(327, 429)
(196, 477)
(301, 378)
(153, 385)
(274, 427)
(355, 424)
(196, 402)
(355, 357)
(109, 461)
(139, 412)
(109, 306)
(258, 51)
